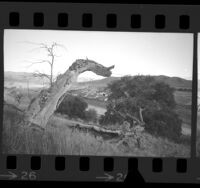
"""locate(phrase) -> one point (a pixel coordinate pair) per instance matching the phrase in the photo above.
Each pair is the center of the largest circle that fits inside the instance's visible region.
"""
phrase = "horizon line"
(186, 78)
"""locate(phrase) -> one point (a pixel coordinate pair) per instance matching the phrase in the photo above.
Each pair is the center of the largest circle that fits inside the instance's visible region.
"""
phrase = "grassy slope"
(183, 108)
(58, 138)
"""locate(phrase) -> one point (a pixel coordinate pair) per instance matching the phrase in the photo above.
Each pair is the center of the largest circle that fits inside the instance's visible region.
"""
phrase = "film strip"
(179, 166)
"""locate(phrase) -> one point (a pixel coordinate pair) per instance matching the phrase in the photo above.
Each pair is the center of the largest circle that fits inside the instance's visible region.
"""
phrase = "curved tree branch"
(47, 101)
(39, 74)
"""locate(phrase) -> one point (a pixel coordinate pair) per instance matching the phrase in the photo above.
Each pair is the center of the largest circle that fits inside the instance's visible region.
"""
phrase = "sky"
(132, 53)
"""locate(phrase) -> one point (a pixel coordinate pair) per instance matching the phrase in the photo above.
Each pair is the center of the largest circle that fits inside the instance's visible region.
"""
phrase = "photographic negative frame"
(105, 17)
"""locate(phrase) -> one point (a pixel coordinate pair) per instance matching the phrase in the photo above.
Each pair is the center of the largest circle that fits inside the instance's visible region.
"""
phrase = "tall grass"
(59, 139)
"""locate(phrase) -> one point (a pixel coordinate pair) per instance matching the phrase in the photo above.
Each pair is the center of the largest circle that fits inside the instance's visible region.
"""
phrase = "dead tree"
(44, 105)
(50, 49)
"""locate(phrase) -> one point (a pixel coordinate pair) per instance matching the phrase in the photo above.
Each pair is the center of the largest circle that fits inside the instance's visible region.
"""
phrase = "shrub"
(110, 117)
(164, 123)
(73, 106)
(156, 99)
(59, 140)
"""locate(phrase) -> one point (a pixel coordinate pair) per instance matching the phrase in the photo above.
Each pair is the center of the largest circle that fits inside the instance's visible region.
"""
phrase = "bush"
(110, 117)
(91, 115)
(164, 123)
(73, 106)
(131, 94)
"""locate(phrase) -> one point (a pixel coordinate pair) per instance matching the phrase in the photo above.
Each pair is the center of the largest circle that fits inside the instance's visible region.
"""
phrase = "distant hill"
(22, 77)
(99, 83)
(174, 82)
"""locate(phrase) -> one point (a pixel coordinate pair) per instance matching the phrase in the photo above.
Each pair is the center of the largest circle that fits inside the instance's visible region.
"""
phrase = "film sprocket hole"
(99, 92)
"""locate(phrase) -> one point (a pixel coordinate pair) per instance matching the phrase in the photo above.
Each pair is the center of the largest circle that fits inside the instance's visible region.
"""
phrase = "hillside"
(174, 82)
(59, 138)
(22, 77)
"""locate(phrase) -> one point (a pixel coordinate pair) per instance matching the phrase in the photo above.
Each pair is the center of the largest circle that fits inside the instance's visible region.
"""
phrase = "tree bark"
(44, 105)
(140, 114)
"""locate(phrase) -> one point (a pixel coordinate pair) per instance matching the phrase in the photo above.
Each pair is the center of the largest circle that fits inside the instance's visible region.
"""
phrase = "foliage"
(58, 139)
(130, 95)
(76, 107)
(73, 106)
(164, 123)
(110, 117)
(49, 61)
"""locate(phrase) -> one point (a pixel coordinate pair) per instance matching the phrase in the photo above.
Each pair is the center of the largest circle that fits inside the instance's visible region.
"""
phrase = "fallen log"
(95, 128)
(81, 126)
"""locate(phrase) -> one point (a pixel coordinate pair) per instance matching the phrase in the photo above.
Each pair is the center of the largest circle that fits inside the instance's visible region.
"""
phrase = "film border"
(177, 18)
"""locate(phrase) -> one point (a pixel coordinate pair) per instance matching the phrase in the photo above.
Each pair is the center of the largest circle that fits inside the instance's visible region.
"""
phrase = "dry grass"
(58, 139)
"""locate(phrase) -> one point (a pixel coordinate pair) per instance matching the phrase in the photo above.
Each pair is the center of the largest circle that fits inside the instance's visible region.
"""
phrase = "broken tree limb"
(44, 105)
(140, 114)
(125, 115)
(95, 128)
(105, 131)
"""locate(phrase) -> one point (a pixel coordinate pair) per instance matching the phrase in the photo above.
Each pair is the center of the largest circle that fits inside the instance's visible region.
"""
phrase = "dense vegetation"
(76, 107)
(59, 140)
(148, 101)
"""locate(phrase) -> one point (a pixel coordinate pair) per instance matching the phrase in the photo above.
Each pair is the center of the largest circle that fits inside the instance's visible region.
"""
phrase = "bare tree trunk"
(51, 77)
(140, 114)
(44, 105)
(51, 81)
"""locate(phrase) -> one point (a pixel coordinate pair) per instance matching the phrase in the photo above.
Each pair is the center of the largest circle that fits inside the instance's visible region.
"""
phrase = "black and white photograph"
(97, 93)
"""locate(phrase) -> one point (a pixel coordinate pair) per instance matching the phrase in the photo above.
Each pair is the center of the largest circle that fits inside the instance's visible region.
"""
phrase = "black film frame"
(173, 14)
